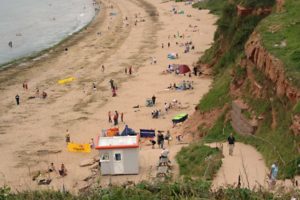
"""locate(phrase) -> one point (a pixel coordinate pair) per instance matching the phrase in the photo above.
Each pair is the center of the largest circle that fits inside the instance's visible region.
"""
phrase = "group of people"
(128, 70)
(37, 93)
(188, 46)
(155, 113)
(62, 171)
(160, 140)
(115, 117)
(185, 85)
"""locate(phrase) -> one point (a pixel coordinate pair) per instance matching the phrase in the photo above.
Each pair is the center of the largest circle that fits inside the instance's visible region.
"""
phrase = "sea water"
(34, 25)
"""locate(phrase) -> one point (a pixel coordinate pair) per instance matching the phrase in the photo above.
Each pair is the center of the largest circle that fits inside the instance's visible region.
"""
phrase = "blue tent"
(127, 131)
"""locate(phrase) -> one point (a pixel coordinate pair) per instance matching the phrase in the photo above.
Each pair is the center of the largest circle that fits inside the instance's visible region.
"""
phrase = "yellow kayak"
(66, 80)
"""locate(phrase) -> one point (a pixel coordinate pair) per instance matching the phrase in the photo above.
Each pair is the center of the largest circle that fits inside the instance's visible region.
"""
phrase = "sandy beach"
(32, 135)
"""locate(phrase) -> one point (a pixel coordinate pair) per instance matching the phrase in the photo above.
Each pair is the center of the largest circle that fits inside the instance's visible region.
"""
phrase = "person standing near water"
(10, 44)
(17, 99)
(231, 141)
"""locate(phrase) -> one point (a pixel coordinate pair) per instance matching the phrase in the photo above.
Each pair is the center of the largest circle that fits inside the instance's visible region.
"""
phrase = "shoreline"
(40, 123)
(35, 55)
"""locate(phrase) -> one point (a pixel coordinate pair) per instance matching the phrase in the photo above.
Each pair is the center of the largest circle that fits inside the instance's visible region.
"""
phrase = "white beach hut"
(119, 154)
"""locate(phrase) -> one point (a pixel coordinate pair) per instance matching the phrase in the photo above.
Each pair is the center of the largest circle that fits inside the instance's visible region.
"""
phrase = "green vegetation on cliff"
(280, 35)
(272, 138)
(181, 190)
(200, 161)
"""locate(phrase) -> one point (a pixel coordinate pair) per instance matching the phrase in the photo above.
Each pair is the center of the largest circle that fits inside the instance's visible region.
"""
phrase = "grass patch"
(215, 6)
(257, 3)
(179, 190)
(278, 144)
(296, 109)
(218, 95)
(280, 28)
(198, 160)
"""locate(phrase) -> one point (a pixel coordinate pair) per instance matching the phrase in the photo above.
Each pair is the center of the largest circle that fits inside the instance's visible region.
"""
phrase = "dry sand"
(38, 125)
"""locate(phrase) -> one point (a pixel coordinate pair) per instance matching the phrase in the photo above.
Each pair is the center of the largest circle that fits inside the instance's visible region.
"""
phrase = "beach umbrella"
(183, 69)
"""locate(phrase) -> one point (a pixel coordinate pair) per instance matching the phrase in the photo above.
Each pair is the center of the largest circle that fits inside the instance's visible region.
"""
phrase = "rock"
(87, 162)
(97, 158)
(270, 66)
(82, 186)
(95, 166)
(88, 177)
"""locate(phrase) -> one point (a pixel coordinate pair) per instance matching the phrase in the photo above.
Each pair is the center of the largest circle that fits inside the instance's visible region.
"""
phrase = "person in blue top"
(273, 173)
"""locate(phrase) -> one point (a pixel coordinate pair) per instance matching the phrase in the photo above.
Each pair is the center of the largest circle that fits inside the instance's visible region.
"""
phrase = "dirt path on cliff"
(246, 162)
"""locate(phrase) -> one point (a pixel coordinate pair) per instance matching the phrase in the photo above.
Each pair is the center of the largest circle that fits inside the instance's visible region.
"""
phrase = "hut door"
(118, 164)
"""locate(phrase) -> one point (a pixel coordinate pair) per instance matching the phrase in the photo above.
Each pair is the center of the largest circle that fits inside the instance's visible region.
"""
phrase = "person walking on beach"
(68, 138)
(102, 68)
(169, 44)
(273, 174)
(231, 141)
(25, 85)
(116, 118)
(114, 92)
(17, 99)
(130, 70)
(122, 117)
(125, 70)
(111, 83)
(160, 140)
(168, 137)
(92, 143)
(109, 117)
(153, 99)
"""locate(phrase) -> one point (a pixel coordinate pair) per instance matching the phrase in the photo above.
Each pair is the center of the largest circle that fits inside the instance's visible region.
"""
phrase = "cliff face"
(270, 66)
(255, 59)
